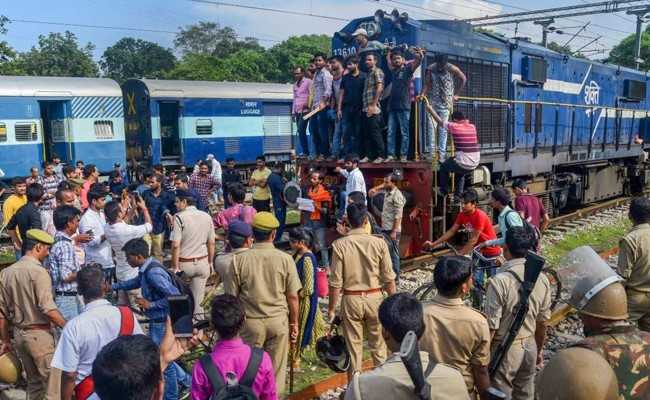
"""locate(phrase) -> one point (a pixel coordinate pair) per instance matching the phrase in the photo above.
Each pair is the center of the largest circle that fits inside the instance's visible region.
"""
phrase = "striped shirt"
(373, 79)
(466, 142)
(63, 262)
(322, 87)
(50, 185)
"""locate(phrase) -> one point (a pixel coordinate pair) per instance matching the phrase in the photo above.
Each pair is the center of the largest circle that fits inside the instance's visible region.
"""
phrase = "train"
(144, 121)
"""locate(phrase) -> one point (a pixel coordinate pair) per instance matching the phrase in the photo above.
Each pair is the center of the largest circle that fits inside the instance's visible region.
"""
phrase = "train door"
(170, 142)
(56, 138)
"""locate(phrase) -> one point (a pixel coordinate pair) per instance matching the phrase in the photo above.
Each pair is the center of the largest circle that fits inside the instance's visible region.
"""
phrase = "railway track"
(559, 225)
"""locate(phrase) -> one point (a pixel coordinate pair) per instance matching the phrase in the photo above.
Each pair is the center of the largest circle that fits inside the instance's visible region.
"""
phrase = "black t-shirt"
(353, 92)
(400, 98)
(27, 217)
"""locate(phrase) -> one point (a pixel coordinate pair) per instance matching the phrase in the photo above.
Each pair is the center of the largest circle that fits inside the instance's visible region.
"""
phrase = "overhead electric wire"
(268, 9)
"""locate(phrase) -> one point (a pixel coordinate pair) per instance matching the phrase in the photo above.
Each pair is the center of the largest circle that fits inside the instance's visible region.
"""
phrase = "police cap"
(265, 221)
(240, 228)
(40, 236)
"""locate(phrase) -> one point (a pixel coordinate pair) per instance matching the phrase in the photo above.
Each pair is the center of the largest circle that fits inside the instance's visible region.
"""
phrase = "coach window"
(3, 132)
(204, 127)
(104, 129)
(26, 132)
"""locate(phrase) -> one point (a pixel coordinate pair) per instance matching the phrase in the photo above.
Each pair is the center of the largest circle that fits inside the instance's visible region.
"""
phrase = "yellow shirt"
(259, 192)
(11, 206)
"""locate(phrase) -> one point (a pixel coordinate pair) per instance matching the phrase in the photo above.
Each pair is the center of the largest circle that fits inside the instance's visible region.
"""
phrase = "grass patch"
(600, 238)
(311, 371)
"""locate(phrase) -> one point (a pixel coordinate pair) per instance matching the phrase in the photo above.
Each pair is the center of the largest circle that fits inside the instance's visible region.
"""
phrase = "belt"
(40, 327)
(65, 293)
(360, 292)
(195, 259)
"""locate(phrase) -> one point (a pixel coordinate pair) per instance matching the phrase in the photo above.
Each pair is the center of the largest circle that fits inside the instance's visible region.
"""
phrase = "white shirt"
(85, 335)
(355, 181)
(216, 170)
(96, 250)
(117, 235)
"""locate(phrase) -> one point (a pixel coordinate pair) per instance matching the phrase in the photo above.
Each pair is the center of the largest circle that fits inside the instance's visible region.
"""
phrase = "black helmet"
(333, 352)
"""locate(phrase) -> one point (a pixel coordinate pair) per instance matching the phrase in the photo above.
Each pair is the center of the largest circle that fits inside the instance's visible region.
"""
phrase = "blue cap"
(240, 228)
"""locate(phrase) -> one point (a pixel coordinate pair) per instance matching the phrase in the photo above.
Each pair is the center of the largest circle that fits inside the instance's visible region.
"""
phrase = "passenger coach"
(74, 118)
(180, 122)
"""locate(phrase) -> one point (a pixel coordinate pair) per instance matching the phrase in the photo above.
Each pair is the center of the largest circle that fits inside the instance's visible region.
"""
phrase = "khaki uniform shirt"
(26, 293)
(634, 258)
(502, 299)
(193, 229)
(360, 262)
(391, 381)
(223, 268)
(262, 277)
(261, 193)
(394, 202)
(456, 335)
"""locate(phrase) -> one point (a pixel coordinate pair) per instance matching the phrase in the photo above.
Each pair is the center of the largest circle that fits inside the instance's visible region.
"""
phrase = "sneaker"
(364, 160)
(402, 159)
(389, 159)
(378, 160)
(320, 158)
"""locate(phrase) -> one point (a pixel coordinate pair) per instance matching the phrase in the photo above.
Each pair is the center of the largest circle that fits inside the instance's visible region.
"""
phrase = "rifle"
(532, 269)
(409, 352)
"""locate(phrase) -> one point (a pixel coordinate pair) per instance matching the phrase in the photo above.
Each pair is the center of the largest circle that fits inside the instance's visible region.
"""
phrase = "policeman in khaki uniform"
(361, 269)
(600, 299)
(26, 304)
(267, 283)
(192, 245)
(240, 239)
(515, 377)
(634, 262)
(456, 334)
(399, 314)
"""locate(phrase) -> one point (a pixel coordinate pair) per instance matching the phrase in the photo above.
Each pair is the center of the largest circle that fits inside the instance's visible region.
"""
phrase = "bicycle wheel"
(426, 292)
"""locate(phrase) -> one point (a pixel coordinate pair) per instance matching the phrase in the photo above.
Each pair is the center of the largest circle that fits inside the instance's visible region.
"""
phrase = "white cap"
(210, 156)
(360, 31)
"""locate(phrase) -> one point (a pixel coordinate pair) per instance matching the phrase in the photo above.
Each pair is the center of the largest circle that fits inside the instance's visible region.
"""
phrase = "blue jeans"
(443, 112)
(398, 119)
(281, 215)
(173, 373)
(318, 126)
(302, 134)
(337, 147)
(351, 127)
(318, 228)
(393, 249)
(69, 306)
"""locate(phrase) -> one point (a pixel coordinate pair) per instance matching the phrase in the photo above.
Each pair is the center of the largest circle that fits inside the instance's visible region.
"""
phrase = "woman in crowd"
(310, 320)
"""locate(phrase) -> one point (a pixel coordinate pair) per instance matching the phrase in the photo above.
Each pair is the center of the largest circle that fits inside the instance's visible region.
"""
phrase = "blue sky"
(270, 28)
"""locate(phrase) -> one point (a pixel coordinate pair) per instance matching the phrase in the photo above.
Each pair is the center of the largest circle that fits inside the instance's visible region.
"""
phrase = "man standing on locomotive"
(372, 139)
(319, 124)
(439, 88)
(475, 222)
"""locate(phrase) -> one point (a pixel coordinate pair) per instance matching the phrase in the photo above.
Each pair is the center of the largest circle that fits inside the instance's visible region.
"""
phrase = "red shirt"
(479, 221)
(531, 207)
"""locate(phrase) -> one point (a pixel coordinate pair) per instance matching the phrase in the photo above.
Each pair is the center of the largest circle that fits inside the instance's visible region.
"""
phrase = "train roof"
(220, 90)
(51, 86)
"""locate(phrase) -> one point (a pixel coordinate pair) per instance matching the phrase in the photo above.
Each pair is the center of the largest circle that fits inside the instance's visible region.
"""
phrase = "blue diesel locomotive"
(574, 126)
(74, 118)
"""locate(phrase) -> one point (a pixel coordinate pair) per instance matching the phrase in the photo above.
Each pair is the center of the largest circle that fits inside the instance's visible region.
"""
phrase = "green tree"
(59, 55)
(8, 64)
(624, 52)
(136, 58)
(297, 50)
(197, 67)
(209, 38)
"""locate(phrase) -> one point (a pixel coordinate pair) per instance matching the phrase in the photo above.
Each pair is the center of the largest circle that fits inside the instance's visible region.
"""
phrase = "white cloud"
(462, 9)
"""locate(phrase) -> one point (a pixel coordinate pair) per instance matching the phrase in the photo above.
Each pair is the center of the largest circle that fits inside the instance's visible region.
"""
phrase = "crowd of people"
(346, 103)
(97, 261)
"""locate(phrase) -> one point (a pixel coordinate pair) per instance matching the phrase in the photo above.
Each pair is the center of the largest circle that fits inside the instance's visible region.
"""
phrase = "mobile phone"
(180, 313)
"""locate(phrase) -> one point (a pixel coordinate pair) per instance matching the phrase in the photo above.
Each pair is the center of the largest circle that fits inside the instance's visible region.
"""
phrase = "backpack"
(177, 281)
(86, 387)
(530, 228)
(232, 389)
